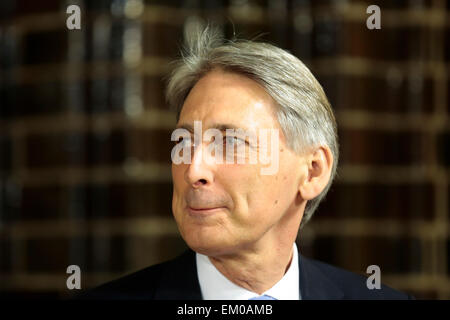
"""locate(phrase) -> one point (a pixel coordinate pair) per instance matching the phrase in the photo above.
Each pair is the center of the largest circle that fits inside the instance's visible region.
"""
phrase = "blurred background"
(85, 135)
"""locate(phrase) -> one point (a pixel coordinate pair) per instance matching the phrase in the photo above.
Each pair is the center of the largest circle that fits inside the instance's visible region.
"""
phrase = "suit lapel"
(179, 280)
(314, 284)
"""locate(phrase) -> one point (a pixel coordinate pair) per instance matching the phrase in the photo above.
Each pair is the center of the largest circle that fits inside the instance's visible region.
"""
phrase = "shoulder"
(137, 285)
(142, 284)
(352, 285)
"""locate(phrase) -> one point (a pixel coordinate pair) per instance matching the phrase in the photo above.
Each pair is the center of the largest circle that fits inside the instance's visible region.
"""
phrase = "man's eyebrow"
(219, 126)
(186, 126)
(225, 126)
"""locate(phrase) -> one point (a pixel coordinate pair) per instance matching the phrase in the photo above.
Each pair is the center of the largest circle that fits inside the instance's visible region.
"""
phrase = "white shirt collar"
(215, 286)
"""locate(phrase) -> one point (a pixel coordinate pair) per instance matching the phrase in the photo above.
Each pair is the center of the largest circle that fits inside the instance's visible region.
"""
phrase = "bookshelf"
(85, 136)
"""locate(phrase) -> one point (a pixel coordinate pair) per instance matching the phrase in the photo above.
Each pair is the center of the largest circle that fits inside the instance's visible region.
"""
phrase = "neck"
(256, 269)
(258, 266)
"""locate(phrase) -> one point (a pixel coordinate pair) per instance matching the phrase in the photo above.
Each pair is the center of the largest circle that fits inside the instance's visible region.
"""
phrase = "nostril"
(199, 183)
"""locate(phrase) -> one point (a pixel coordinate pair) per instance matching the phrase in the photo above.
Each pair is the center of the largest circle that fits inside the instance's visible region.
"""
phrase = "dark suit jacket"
(177, 280)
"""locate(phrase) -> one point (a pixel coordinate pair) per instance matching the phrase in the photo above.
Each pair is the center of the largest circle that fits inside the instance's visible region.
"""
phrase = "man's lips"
(203, 211)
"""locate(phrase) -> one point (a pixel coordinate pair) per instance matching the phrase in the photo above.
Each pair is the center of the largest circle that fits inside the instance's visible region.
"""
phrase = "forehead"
(222, 97)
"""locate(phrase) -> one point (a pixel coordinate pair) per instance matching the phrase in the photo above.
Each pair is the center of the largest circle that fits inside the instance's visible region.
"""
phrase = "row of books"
(368, 200)
(396, 93)
(367, 147)
(110, 253)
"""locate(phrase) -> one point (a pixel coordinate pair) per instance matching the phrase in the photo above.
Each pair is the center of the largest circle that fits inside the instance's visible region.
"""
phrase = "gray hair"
(304, 113)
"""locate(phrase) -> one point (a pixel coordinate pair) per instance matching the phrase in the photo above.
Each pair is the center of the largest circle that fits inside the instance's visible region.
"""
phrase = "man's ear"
(319, 163)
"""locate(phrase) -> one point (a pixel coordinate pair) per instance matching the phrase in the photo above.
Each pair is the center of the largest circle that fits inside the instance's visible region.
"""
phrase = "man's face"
(221, 208)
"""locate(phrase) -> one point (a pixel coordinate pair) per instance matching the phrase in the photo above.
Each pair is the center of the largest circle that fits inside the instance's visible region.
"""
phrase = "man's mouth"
(199, 211)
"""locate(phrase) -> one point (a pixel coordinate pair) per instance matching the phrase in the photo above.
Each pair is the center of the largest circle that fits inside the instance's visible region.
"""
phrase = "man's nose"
(200, 170)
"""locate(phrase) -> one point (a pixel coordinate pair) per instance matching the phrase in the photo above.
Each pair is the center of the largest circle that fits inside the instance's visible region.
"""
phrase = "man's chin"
(209, 247)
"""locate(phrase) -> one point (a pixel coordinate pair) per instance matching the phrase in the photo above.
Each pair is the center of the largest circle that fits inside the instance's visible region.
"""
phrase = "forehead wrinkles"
(229, 98)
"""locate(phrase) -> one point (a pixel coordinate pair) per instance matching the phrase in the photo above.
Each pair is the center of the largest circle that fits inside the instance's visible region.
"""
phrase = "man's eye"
(232, 140)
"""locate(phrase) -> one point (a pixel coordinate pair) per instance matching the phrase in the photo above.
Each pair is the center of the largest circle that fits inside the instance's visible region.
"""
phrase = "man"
(239, 221)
